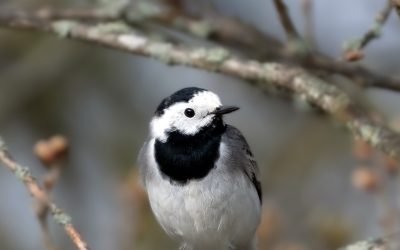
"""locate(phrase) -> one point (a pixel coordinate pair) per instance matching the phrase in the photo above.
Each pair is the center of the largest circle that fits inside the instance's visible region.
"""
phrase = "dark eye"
(189, 113)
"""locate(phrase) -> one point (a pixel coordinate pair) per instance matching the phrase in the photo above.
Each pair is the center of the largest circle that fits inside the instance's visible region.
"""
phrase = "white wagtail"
(200, 175)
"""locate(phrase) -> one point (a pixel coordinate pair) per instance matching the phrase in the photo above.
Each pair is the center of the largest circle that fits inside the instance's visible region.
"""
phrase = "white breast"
(215, 212)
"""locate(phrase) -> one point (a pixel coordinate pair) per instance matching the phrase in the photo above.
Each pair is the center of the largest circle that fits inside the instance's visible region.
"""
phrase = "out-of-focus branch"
(307, 6)
(318, 92)
(380, 20)
(51, 153)
(295, 43)
(225, 30)
(24, 175)
(397, 6)
(42, 210)
(384, 243)
(354, 50)
(286, 21)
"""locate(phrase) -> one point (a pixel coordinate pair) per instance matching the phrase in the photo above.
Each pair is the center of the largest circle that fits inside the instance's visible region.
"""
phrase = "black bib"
(189, 157)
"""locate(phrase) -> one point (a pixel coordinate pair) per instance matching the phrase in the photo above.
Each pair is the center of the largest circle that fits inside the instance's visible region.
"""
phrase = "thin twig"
(318, 92)
(307, 6)
(52, 154)
(380, 20)
(295, 43)
(24, 174)
(46, 236)
(42, 209)
(396, 4)
(41, 213)
(354, 50)
(286, 21)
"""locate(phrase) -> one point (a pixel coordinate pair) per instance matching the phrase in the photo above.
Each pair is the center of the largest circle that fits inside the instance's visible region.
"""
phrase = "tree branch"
(385, 243)
(354, 50)
(24, 175)
(51, 153)
(295, 43)
(231, 31)
(316, 91)
(396, 4)
(286, 21)
(307, 7)
(224, 30)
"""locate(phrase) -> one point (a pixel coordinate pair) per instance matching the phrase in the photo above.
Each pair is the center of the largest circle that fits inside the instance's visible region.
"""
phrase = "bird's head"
(187, 112)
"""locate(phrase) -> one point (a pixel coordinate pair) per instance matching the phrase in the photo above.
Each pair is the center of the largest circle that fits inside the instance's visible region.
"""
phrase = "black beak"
(224, 110)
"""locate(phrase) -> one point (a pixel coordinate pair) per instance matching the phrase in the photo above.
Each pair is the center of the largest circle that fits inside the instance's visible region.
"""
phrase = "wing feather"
(243, 156)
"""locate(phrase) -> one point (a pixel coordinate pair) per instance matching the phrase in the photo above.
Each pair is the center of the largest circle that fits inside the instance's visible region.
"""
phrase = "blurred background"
(102, 101)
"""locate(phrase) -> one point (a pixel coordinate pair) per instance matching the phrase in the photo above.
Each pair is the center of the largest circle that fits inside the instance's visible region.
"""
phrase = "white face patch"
(174, 118)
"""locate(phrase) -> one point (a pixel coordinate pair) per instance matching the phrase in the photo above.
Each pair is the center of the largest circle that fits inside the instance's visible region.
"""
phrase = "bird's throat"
(183, 158)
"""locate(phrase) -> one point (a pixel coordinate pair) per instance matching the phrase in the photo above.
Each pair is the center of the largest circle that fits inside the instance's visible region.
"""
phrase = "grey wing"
(243, 156)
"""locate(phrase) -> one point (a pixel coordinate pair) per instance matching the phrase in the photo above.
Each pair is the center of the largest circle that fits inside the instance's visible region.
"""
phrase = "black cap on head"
(183, 95)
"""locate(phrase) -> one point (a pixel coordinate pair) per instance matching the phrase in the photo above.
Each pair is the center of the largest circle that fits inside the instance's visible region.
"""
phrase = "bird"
(200, 175)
